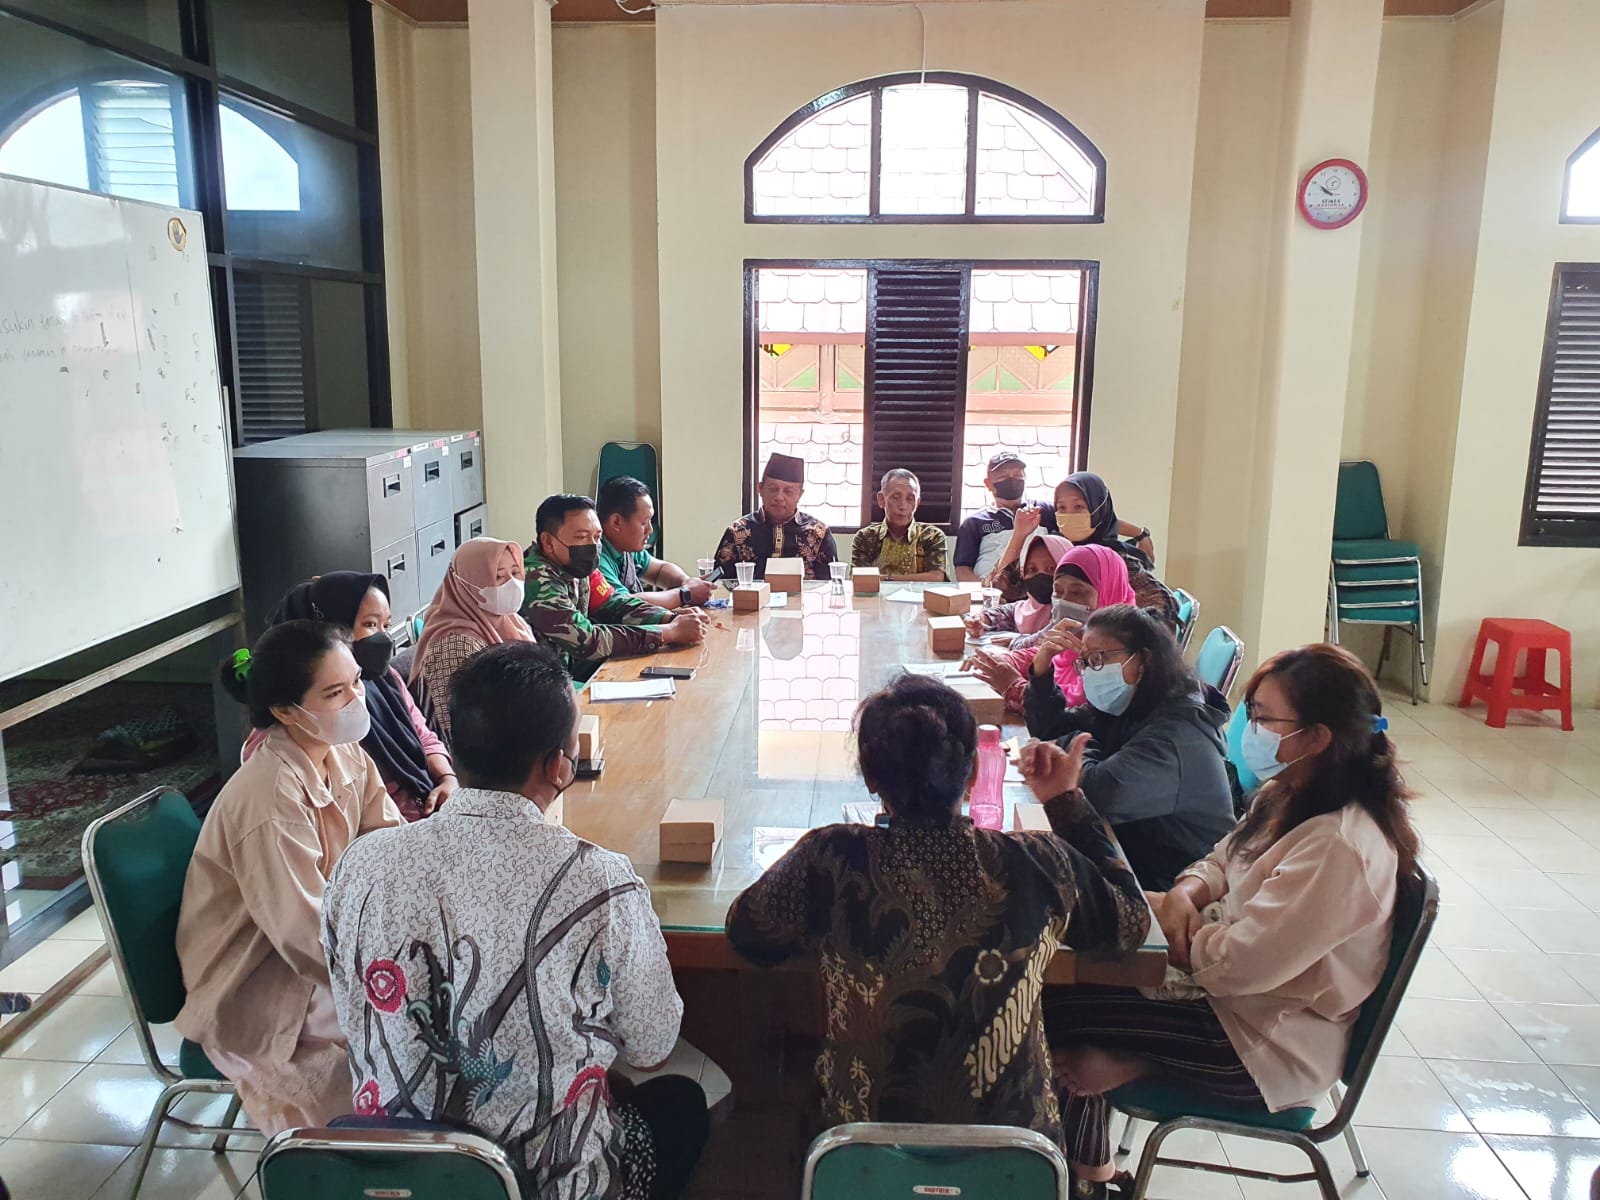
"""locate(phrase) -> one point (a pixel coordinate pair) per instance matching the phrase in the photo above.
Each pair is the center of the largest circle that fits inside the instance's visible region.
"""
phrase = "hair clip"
(1379, 723)
(241, 665)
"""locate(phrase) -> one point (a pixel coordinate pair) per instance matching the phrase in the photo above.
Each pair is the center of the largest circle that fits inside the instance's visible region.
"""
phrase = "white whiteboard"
(116, 493)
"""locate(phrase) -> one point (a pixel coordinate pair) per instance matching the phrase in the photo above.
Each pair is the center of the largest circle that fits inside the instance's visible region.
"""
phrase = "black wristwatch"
(685, 597)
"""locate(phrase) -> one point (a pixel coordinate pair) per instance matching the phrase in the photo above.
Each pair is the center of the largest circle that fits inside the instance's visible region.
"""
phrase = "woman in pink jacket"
(1306, 886)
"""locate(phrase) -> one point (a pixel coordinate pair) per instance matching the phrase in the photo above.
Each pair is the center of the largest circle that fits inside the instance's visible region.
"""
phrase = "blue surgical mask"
(1107, 690)
(1258, 747)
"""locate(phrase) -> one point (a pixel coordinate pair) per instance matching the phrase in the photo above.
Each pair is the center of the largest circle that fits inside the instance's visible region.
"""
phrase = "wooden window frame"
(1541, 529)
(1083, 357)
(975, 84)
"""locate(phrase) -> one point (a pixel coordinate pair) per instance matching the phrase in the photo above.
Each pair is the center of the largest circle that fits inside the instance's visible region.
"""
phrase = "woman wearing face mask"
(411, 757)
(476, 606)
(1157, 766)
(249, 943)
(1034, 581)
(1307, 887)
(1086, 516)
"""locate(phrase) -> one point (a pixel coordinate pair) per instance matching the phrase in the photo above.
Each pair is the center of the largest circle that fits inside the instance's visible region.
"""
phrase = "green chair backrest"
(138, 858)
(637, 459)
(1416, 905)
(338, 1164)
(1358, 511)
(1219, 658)
(1011, 1166)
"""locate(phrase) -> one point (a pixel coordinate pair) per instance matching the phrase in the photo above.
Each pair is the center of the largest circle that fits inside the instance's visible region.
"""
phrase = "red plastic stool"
(1505, 690)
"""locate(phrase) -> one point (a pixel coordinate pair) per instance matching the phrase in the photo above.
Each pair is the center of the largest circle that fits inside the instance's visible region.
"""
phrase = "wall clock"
(1333, 193)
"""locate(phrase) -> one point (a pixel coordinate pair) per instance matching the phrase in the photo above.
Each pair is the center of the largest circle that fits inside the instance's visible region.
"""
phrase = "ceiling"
(455, 11)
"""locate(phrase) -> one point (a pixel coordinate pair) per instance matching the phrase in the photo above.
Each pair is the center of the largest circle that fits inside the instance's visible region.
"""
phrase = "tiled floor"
(1489, 1089)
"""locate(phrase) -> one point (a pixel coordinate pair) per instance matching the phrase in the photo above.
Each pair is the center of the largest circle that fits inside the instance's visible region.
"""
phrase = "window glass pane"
(76, 115)
(924, 149)
(297, 49)
(812, 324)
(339, 333)
(153, 21)
(1583, 184)
(306, 184)
(821, 167)
(1027, 167)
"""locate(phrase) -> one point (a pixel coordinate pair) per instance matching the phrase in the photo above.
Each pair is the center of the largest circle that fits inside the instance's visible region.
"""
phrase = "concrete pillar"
(1329, 92)
(513, 142)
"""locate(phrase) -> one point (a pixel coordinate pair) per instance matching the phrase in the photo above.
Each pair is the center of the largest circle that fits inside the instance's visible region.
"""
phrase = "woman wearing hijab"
(1086, 516)
(1091, 577)
(1031, 614)
(411, 758)
(476, 606)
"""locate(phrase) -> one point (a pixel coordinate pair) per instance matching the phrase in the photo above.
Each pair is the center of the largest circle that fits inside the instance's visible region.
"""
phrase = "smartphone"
(589, 768)
(1062, 610)
(667, 673)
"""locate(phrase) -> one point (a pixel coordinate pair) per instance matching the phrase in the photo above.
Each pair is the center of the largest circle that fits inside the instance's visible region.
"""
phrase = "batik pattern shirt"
(932, 942)
(752, 538)
(488, 968)
(921, 549)
(587, 622)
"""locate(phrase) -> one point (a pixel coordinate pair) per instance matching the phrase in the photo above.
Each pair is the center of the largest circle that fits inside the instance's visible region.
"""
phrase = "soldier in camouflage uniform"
(569, 605)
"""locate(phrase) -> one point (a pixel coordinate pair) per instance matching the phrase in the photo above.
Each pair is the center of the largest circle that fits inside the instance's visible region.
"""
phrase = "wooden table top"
(764, 726)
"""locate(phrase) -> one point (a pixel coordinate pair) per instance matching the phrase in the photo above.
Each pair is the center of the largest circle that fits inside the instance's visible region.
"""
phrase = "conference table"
(765, 727)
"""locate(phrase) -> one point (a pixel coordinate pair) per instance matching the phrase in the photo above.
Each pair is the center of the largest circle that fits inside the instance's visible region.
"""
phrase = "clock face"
(1333, 193)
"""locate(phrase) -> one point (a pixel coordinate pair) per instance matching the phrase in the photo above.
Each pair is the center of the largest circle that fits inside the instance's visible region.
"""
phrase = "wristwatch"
(685, 597)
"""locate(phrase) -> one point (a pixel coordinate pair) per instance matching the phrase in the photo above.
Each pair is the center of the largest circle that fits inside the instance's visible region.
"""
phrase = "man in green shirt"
(900, 546)
(627, 513)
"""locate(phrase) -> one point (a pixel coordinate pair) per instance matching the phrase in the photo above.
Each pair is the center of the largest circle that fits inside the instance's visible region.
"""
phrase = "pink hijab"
(1108, 575)
(1030, 615)
(456, 607)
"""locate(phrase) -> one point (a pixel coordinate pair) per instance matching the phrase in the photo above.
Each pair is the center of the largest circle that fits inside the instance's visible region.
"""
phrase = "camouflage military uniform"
(586, 623)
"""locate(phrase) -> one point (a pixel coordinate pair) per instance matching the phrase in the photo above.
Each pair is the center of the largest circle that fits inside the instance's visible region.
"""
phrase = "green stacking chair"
(1188, 614)
(868, 1161)
(1374, 579)
(1235, 736)
(338, 1164)
(637, 459)
(136, 859)
(1219, 659)
(1173, 1107)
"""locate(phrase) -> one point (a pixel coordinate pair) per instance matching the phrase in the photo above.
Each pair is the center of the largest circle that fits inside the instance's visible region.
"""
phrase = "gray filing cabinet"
(337, 499)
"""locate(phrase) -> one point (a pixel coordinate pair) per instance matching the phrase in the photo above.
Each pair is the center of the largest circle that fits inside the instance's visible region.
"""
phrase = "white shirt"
(433, 932)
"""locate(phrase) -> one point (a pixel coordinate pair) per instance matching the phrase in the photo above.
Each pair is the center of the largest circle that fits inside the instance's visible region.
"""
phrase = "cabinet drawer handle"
(430, 472)
(397, 563)
(437, 548)
(391, 485)
(465, 460)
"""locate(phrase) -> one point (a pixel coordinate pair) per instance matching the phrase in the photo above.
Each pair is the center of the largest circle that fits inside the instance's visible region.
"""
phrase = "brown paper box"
(946, 635)
(946, 601)
(867, 580)
(988, 706)
(691, 831)
(751, 597)
(1030, 818)
(786, 574)
(589, 735)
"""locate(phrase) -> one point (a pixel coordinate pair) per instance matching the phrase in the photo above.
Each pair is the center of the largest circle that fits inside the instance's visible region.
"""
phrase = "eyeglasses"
(1259, 719)
(1094, 660)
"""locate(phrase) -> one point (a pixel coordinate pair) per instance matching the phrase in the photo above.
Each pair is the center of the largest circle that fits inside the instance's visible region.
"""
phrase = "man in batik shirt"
(778, 529)
(570, 606)
(900, 546)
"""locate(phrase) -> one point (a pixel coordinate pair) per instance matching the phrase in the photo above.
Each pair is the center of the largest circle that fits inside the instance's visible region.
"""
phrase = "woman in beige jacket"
(249, 930)
(1306, 889)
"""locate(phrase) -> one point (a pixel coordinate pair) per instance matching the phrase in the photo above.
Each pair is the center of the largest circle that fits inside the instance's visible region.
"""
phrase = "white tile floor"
(1489, 1088)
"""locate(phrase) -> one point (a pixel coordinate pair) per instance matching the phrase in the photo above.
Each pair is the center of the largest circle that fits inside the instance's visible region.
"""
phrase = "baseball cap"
(1005, 458)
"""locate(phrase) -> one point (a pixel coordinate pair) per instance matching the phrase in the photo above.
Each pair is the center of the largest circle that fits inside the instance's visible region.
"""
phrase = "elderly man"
(900, 546)
(778, 529)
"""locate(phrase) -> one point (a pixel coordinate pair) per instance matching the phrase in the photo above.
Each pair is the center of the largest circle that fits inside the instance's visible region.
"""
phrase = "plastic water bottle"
(986, 806)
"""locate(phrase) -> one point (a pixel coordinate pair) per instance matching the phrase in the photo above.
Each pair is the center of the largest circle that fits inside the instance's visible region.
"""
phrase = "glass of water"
(838, 572)
(747, 573)
(705, 565)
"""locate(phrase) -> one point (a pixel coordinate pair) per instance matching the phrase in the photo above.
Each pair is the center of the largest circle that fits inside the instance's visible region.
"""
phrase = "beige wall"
(1546, 57)
(605, 114)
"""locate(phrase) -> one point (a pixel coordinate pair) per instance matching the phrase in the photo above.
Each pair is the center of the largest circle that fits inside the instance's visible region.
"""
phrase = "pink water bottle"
(986, 806)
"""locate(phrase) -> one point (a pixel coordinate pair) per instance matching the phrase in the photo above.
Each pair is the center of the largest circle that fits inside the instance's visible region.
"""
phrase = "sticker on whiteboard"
(387, 1193)
(177, 234)
(934, 1189)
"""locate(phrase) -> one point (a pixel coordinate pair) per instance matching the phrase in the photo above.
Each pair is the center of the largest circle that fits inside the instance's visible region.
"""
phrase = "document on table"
(604, 691)
(940, 670)
(769, 843)
(862, 812)
(905, 595)
(778, 600)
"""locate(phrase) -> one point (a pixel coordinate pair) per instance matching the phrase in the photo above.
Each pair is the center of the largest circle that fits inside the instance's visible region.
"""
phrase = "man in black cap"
(778, 529)
(982, 539)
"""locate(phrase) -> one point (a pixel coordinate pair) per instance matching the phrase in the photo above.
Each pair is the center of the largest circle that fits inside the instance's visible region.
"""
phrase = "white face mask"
(502, 600)
(340, 727)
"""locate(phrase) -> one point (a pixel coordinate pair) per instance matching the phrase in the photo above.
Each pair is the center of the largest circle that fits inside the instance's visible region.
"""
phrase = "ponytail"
(279, 670)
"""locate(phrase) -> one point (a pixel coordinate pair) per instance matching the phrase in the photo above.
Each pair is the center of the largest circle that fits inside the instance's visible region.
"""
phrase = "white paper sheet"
(905, 596)
(605, 691)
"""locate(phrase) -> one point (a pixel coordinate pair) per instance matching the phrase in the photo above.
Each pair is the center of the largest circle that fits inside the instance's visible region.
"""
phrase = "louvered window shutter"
(270, 317)
(916, 385)
(128, 134)
(1562, 503)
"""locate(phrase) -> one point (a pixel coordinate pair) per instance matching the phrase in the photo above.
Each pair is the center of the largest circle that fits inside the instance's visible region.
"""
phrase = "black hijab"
(1103, 513)
(392, 741)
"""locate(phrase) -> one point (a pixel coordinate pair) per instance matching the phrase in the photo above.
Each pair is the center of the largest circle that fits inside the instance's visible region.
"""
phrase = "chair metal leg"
(1147, 1159)
(147, 1143)
(1126, 1144)
(1415, 648)
(1319, 1166)
(1383, 652)
(228, 1119)
(1336, 1095)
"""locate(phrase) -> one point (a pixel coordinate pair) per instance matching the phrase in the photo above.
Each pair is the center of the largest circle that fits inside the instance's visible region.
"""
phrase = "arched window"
(940, 147)
(121, 137)
(1580, 197)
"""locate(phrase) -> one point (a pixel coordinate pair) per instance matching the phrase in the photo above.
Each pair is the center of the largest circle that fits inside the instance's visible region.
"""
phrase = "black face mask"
(1041, 588)
(582, 560)
(372, 654)
(1010, 489)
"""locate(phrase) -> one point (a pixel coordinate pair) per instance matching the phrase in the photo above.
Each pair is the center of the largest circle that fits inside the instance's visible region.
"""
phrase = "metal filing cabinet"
(338, 499)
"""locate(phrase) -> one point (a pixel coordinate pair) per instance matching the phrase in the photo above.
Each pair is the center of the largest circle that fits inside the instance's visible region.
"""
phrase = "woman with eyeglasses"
(1157, 767)
(1301, 897)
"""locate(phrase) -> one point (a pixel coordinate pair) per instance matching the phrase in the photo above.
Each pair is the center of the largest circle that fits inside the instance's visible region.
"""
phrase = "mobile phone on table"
(667, 673)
